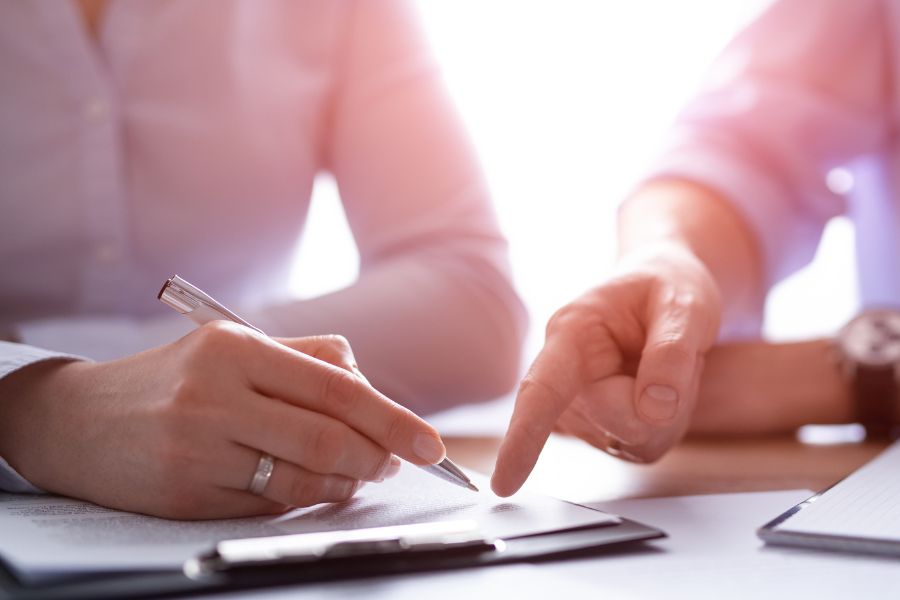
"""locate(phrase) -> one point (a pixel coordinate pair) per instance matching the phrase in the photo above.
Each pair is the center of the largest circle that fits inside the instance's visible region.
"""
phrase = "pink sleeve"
(801, 91)
(433, 318)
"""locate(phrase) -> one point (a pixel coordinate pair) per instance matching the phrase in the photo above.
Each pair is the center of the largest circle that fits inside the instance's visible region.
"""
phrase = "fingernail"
(659, 402)
(429, 448)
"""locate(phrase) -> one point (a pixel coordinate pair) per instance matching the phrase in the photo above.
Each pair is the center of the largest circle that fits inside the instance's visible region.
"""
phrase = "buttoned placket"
(101, 188)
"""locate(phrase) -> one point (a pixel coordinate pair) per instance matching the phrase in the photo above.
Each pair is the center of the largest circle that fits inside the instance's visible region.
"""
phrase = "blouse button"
(96, 109)
(107, 254)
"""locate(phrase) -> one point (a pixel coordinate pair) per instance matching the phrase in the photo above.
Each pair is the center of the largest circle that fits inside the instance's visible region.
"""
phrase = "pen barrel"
(195, 304)
(204, 314)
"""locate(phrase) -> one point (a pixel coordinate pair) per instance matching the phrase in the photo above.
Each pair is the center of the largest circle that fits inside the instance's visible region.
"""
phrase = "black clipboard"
(591, 540)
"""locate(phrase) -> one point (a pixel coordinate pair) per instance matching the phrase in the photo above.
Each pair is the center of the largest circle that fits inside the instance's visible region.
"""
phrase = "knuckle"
(187, 404)
(326, 447)
(187, 391)
(338, 342)
(671, 348)
(682, 302)
(572, 315)
(396, 431)
(217, 338)
(215, 332)
(593, 331)
(341, 391)
(532, 385)
(335, 349)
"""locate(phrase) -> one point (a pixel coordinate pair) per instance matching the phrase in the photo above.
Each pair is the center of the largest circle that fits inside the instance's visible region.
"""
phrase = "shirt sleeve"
(804, 89)
(12, 358)
(433, 318)
(101, 337)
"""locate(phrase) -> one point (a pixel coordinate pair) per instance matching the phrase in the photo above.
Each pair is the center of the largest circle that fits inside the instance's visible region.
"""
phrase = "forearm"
(427, 331)
(757, 387)
(687, 214)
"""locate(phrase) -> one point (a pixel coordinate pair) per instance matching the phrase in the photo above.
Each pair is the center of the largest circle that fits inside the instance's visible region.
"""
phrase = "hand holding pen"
(342, 398)
(224, 422)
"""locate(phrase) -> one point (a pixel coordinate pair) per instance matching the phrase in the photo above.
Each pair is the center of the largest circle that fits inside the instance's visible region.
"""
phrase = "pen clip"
(191, 301)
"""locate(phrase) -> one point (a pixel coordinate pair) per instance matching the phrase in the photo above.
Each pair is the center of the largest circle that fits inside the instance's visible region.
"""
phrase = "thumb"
(668, 373)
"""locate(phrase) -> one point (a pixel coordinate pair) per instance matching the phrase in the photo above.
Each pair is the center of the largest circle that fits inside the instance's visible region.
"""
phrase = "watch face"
(873, 338)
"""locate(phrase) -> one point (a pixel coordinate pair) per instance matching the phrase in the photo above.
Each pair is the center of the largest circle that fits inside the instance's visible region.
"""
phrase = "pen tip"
(472, 487)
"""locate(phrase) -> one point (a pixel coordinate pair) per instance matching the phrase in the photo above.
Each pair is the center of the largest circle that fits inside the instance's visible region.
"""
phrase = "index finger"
(546, 391)
(286, 374)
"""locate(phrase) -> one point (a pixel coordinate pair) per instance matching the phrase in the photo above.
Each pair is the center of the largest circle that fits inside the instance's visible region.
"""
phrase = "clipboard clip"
(372, 543)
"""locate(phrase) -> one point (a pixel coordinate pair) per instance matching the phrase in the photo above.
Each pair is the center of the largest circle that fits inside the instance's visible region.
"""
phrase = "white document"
(43, 537)
(712, 552)
(864, 505)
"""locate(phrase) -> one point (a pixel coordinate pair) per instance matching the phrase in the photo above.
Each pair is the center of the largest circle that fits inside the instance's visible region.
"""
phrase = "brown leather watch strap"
(875, 389)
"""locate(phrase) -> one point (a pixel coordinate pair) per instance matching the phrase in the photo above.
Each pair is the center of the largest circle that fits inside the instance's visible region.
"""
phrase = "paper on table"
(48, 536)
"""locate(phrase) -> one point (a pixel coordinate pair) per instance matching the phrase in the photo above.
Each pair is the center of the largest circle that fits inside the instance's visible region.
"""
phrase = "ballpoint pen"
(201, 308)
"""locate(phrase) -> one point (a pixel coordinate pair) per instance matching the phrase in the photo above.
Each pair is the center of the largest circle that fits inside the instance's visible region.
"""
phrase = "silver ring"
(262, 475)
(613, 446)
(616, 447)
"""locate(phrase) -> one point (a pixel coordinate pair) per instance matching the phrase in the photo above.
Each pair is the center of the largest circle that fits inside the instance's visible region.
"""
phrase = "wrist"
(760, 387)
(29, 398)
(699, 222)
(814, 387)
(655, 216)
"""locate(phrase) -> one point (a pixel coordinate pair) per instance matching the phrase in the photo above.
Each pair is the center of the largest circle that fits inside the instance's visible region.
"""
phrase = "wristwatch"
(869, 346)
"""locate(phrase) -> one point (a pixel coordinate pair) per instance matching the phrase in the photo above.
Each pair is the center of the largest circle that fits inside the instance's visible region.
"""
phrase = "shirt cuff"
(11, 481)
(17, 356)
(104, 338)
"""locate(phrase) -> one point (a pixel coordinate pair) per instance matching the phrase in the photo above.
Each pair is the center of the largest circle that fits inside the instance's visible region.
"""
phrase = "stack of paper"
(48, 537)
